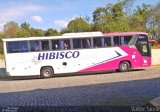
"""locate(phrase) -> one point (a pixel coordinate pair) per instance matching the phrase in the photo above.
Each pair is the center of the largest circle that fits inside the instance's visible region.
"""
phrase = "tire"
(124, 66)
(47, 72)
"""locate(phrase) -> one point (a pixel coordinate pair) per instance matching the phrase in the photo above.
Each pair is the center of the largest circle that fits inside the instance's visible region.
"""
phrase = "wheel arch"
(126, 61)
(44, 67)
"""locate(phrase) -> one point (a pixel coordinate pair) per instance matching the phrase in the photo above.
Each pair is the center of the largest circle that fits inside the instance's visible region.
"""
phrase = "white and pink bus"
(76, 52)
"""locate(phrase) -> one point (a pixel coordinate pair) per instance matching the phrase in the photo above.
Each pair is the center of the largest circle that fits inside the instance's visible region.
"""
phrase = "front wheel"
(124, 66)
(47, 72)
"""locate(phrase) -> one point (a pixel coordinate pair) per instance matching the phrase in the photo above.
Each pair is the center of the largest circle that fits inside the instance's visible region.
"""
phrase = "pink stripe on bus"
(123, 33)
(136, 62)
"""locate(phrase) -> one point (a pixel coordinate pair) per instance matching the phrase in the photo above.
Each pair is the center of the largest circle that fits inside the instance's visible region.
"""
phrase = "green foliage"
(140, 18)
(36, 32)
(1, 43)
(111, 18)
(97, 13)
(120, 25)
(79, 25)
(11, 29)
(23, 33)
(64, 30)
(51, 32)
(25, 26)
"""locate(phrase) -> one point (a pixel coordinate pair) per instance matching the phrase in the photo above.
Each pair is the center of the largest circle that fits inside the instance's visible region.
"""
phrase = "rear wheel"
(47, 72)
(124, 66)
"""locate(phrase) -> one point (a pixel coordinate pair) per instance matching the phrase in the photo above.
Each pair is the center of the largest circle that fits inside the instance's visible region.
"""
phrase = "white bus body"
(67, 60)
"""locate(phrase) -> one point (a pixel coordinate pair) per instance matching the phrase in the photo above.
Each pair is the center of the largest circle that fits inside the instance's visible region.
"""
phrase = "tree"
(23, 33)
(79, 25)
(154, 22)
(98, 12)
(140, 18)
(1, 43)
(51, 32)
(25, 26)
(11, 29)
(64, 30)
(36, 32)
(111, 18)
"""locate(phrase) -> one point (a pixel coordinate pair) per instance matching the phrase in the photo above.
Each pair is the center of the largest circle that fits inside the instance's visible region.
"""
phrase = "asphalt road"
(96, 92)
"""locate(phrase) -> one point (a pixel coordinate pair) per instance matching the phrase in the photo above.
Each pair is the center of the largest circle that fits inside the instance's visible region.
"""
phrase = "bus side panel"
(133, 57)
(110, 60)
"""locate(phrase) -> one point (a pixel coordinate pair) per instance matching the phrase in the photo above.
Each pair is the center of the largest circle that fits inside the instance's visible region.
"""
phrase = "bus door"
(144, 48)
(145, 51)
(143, 45)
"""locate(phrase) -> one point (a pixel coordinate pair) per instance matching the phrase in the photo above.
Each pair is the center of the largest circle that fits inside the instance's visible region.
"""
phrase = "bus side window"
(64, 44)
(125, 40)
(116, 41)
(45, 45)
(55, 44)
(77, 43)
(16, 47)
(107, 41)
(67, 44)
(98, 42)
(34, 46)
(61, 44)
(86, 43)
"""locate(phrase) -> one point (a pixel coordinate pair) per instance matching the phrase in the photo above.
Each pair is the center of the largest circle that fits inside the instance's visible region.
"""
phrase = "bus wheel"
(47, 72)
(124, 66)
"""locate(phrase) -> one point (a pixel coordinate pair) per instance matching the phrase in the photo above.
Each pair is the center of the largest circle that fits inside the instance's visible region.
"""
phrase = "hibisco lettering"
(58, 55)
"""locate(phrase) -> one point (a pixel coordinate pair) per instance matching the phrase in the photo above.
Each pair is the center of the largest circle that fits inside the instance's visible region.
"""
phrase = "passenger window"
(81, 43)
(77, 43)
(86, 43)
(67, 44)
(107, 41)
(61, 44)
(16, 47)
(45, 45)
(55, 44)
(64, 44)
(98, 42)
(34, 46)
(125, 40)
(116, 41)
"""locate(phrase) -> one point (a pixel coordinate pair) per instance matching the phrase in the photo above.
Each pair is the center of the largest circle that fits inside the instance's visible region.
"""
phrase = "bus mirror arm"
(153, 41)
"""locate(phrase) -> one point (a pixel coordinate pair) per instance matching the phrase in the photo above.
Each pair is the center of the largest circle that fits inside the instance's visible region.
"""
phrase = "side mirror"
(153, 41)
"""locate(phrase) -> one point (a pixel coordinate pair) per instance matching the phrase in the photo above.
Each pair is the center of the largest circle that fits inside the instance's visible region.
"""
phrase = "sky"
(55, 14)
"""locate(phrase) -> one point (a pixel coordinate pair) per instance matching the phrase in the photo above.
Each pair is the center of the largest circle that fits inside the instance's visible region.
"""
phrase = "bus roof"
(64, 36)
(83, 33)
(75, 35)
(123, 33)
